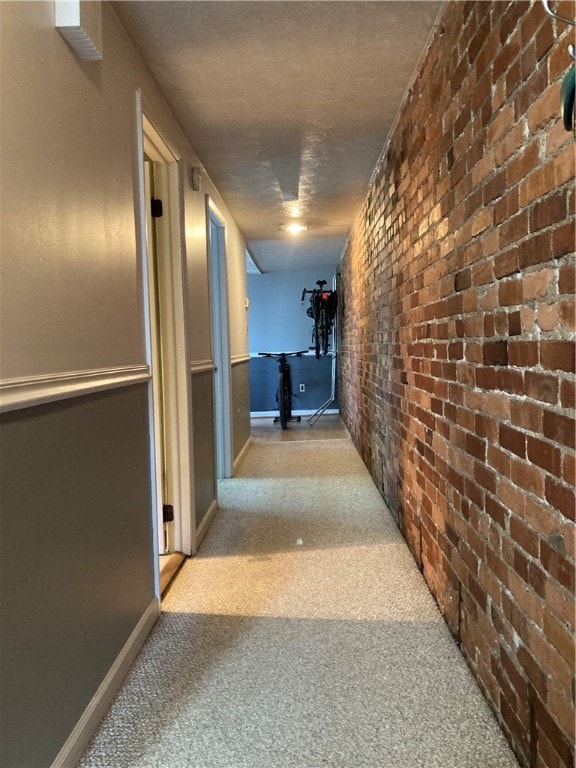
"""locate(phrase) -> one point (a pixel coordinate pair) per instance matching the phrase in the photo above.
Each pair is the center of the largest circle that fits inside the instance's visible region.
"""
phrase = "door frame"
(173, 316)
(216, 239)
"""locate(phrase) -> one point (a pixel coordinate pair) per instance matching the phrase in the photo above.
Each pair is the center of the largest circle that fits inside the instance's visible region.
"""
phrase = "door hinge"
(156, 208)
(167, 513)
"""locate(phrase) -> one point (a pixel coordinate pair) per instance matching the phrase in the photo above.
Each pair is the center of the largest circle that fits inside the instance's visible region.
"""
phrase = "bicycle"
(284, 392)
(322, 310)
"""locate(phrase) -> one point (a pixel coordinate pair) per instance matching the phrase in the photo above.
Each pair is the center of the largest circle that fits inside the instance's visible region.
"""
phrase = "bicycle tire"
(324, 331)
(288, 393)
(282, 401)
(316, 340)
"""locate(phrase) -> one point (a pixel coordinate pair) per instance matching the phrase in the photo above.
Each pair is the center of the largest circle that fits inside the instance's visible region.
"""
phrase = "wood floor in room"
(327, 427)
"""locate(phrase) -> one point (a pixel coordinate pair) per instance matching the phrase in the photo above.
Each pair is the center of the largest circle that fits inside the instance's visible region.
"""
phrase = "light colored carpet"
(301, 636)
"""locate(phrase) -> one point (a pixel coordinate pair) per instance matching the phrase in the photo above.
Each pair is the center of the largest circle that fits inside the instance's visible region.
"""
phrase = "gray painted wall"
(75, 562)
(240, 406)
(204, 445)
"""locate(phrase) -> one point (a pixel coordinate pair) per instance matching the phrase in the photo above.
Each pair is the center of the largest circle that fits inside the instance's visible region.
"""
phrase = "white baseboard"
(205, 524)
(76, 743)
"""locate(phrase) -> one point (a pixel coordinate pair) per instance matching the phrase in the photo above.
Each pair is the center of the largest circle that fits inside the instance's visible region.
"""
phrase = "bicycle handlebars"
(278, 355)
(318, 291)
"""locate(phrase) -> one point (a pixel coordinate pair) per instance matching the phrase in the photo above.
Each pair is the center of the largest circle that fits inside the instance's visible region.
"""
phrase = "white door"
(160, 370)
(167, 346)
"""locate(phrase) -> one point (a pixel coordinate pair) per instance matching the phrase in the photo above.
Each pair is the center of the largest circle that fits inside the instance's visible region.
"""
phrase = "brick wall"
(457, 354)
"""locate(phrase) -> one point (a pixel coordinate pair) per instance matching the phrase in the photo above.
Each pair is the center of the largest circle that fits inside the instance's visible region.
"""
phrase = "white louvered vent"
(80, 24)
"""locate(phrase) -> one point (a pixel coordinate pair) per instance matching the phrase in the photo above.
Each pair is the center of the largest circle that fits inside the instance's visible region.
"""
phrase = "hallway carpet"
(302, 635)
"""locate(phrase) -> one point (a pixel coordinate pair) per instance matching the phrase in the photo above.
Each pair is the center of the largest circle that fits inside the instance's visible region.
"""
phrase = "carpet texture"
(302, 635)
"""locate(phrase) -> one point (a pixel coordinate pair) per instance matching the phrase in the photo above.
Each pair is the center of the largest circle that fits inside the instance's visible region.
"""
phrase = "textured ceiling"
(287, 104)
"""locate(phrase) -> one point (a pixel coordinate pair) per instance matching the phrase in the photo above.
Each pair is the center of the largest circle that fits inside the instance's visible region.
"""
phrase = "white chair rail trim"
(239, 359)
(202, 366)
(36, 390)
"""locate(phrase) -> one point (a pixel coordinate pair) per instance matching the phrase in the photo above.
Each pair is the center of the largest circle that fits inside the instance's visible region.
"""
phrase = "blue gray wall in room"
(277, 320)
(278, 323)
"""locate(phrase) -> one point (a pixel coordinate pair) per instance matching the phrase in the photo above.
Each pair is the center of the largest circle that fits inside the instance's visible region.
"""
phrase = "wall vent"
(80, 24)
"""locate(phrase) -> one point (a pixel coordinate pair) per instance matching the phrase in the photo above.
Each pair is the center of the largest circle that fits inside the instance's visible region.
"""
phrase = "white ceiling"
(287, 104)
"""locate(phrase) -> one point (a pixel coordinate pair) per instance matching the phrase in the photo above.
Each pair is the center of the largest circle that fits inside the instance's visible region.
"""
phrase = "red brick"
(510, 292)
(514, 323)
(527, 415)
(561, 497)
(567, 277)
(560, 428)
(486, 378)
(483, 273)
(534, 81)
(558, 355)
(506, 264)
(475, 446)
(512, 440)
(551, 210)
(531, 23)
(513, 79)
(557, 739)
(521, 565)
(544, 454)
(509, 21)
(524, 536)
(523, 354)
(568, 315)
(563, 241)
(523, 164)
(532, 669)
(544, 40)
(537, 284)
(494, 188)
(527, 476)
(560, 638)
(537, 579)
(568, 394)
(564, 166)
(541, 387)
(548, 316)
(544, 109)
(507, 206)
(495, 353)
(536, 250)
(510, 380)
(513, 230)
(563, 710)
(538, 183)
(463, 280)
(499, 460)
(496, 511)
(569, 469)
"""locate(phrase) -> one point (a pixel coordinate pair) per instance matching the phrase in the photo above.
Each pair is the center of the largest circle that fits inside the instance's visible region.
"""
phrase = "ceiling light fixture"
(294, 228)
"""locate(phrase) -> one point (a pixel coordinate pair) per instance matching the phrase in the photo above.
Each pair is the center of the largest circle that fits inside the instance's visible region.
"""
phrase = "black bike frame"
(322, 310)
(284, 392)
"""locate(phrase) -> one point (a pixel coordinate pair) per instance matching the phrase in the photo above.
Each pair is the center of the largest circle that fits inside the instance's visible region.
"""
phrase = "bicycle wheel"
(324, 331)
(316, 340)
(288, 393)
(282, 401)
